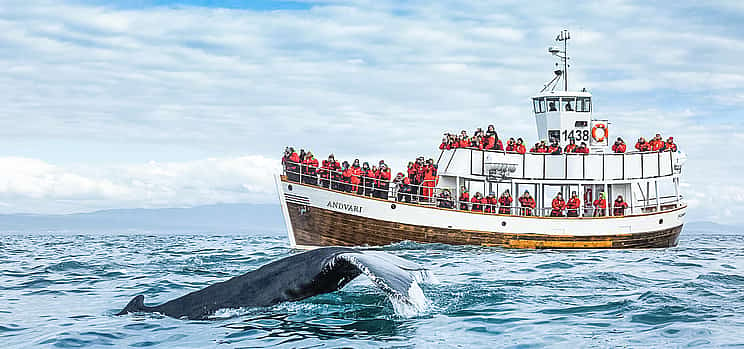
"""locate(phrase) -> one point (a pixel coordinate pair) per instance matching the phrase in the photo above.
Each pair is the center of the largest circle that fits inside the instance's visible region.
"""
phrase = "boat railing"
(427, 194)
(571, 166)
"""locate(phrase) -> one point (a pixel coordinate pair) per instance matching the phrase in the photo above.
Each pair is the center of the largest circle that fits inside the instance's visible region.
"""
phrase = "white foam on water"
(415, 304)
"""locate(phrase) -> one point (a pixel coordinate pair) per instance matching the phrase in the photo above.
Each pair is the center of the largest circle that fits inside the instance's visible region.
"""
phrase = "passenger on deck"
(568, 106)
(383, 181)
(328, 166)
(477, 201)
(520, 148)
(491, 131)
(368, 180)
(444, 199)
(477, 142)
(528, 203)
(489, 203)
(356, 176)
(310, 164)
(571, 147)
(346, 174)
(292, 164)
(430, 178)
(582, 149)
(511, 145)
(600, 206)
(464, 198)
(446, 145)
(620, 206)
(558, 205)
(573, 205)
(642, 145)
(505, 202)
(489, 142)
(403, 187)
(464, 140)
(656, 144)
(555, 148)
(619, 146)
(670, 146)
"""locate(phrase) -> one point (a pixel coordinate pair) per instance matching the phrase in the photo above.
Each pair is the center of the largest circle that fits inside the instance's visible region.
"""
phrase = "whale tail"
(137, 304)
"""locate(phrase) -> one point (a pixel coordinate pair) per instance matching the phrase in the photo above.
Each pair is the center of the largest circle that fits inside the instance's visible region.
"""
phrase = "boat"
(322, 211)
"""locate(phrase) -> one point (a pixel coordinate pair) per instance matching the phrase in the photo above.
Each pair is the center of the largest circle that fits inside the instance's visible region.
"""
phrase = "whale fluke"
(298, 277)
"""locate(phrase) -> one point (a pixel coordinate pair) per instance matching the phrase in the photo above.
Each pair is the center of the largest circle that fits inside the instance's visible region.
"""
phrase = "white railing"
(597, 166)
(429, 195)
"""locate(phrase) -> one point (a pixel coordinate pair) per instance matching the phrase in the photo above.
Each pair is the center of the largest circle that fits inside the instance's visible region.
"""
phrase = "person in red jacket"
(554, 148)
(600, 206)
(528, 203)
(505, 202)
(582, 149)
(490, 203)
(573, 205)
(558, 205)
(657, 144)
(464, 198)
(620, 206)
(477, 142)
(642, 145)
(520, 148)
(445, 144)
(670, 146)
(311, 165)
(542, 147)
(430, 179)
(571, 147)
(477, 201)
(346, 174)
(619, 146)
(490, 142)
(464, 140)
(511, 145)
(383, 181)
(367, 175)
(292, 165)
(356, 173)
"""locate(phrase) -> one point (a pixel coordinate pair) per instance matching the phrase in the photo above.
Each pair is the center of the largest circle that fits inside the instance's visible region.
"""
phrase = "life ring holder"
(599, 138)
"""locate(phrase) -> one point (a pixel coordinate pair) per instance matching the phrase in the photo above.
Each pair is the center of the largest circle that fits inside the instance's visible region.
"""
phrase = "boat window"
(536, 105)
(542, 105)
(584, 104)
(553, 103)
(554, 136)
(568, 104)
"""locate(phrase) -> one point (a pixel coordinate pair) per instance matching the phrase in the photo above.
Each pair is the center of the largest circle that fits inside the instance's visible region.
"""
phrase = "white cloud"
(32, 185)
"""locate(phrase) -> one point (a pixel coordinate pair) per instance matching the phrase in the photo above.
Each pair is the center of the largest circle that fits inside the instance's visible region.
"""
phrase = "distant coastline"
(217, 219)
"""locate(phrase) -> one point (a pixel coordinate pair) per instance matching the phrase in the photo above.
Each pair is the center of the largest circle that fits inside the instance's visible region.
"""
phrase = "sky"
(155, 103)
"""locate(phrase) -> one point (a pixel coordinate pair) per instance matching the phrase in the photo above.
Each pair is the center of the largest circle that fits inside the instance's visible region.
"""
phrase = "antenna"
(563, 36)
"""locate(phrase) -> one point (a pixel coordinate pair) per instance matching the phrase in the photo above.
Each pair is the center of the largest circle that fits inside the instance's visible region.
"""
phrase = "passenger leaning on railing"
(573, 205)
(329, 172)
(554, 148)
(402, 187)
(310, 169)
(642, 145)
(383, 183)
(582, 149)
(619, 146)
(291, 164)
(571, 146)
(477, 201)
(489, 203)
(670, 146)
(619, 206)
(600, 206)
(511, 145)
(520, 148)
(528, 203)
(367, 180)
(558, 205)
(444, 199)
(505, 202)
(430, 178)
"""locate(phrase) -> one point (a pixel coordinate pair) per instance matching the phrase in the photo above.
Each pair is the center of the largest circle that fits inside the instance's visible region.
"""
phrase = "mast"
(564, 36)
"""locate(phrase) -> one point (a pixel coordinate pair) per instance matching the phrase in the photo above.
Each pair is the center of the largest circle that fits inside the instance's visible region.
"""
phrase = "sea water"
(62, 291)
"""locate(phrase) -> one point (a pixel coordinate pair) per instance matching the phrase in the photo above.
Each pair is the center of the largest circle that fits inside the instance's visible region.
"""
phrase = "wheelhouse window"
(584, 104)
(553, 103)
(539, 105)
(568, 104)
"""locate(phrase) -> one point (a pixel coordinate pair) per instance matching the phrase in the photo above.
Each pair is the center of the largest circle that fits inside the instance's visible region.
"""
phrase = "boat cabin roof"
(563, 94)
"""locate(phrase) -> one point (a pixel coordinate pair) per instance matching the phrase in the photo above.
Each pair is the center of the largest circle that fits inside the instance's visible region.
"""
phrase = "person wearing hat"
(600, 205)
(582, 149)
(642, 145)
(670, 146)
(558, 205)
(505, 202)
(571, 147)
(464, 198)
(619, 146)
(573, 205)
(528, 203)
(292, 165)
(367, 179)
(403, 185)
(444, 199)
(310, 164)
(619, 206)
(520, 148)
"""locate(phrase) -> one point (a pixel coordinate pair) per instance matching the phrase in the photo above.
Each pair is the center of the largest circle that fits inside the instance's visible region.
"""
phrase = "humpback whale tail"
(298, 277)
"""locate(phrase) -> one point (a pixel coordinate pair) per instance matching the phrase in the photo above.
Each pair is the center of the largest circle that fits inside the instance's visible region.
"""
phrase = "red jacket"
(464, 143)
(642, 146)
(311, 164)
(521, 149)
(558, 206)
(619, 209)
(505, 204)
(571, 148)
(583, 150)
(528, 204)
(477, 204)
(490, 142)
(618, 148)
(499, 145)
(573, 205)
(355, 173)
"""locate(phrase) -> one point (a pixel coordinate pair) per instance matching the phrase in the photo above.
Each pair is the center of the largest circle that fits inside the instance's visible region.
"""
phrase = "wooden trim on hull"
(321, 227)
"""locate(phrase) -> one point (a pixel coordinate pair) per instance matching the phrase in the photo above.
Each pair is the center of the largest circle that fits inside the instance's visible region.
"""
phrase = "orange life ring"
(603, 136)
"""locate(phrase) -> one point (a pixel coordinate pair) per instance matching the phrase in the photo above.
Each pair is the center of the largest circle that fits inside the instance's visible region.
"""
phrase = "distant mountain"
(220, 218)
(711, 227)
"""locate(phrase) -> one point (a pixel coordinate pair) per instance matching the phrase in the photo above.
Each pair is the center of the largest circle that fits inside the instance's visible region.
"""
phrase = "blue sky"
(179, 103)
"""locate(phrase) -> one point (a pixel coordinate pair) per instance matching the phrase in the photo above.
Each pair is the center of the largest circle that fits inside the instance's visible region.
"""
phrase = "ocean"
(62, 291)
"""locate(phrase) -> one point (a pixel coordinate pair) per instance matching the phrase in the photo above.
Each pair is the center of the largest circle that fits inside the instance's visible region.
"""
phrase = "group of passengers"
(482, 140)
(527, 204)
(419, 182)
(351, 178)
(655, 144)
(555, 148)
